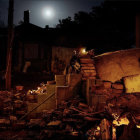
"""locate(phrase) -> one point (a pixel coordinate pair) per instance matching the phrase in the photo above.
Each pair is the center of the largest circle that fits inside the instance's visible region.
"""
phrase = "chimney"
(26, 17)
(138, 31)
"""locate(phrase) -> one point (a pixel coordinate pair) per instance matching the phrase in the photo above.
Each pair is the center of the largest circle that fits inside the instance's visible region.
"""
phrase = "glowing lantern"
(83, 51)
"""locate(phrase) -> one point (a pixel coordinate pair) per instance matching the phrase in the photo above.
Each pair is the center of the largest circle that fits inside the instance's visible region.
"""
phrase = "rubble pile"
(98, 92)
(106, 112)
(73, 119)
(39, 90)
(12, 103)
(32, 94)
(124, 104)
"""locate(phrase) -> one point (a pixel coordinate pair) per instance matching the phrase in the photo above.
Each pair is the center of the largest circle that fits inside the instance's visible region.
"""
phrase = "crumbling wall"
(132, 84)
(98, 92)
(60, 59)
(60, 90)
(115, 65)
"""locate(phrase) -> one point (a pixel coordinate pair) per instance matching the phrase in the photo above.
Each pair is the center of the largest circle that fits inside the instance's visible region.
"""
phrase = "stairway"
(88, 70)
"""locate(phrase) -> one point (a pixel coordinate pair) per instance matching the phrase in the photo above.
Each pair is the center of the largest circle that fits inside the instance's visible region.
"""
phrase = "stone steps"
(88, 70)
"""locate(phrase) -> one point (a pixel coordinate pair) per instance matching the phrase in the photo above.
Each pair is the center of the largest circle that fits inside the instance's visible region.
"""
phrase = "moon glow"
(48, 13)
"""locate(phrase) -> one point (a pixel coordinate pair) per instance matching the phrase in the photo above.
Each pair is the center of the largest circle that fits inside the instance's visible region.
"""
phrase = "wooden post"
(113, 133)
(138, 31)
(105, 131)
(10, 43)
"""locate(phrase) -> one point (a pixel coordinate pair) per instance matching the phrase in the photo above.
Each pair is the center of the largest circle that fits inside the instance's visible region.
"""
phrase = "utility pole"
(10, 44)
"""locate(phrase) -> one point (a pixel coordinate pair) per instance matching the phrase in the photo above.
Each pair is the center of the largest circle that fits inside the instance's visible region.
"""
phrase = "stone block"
(107, 84)
(19, 125)
(4, 122)
(93, 77)
(88, 74)
(60, 80)
(18, 103)
(49, 104)
(87, 65)
(101, 91)
(50, 89)
(13, 118)
(83, 88)
(117, 86)
(95, 100)
(20, 112)
(88, 68)
(31, 106)
(132, 84)
(117, 91)
(31, 98)
(74, 79)
(90, 88)
(113, 66)
(85, 61)
(89, 71)
(99, 82)
(34, 121)
(62, 93)
(51, 82)
(92, 82)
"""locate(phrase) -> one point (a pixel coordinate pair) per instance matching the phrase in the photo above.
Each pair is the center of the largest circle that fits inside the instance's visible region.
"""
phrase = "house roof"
(29, 32)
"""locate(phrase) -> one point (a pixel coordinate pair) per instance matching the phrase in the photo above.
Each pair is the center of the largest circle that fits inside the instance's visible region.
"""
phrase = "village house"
(39, 49)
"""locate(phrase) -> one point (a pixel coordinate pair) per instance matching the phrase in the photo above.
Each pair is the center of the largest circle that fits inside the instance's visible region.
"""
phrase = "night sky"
(46, 12)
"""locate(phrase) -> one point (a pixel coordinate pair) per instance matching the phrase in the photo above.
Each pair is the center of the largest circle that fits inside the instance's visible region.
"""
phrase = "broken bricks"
(13, 119)
(18, 103)
(4, 122)
(32, 98)
(107, 84)
(117, 86)
(19, 125)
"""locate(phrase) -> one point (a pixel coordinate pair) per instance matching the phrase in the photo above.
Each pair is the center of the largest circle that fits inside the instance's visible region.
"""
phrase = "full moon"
(48, 13)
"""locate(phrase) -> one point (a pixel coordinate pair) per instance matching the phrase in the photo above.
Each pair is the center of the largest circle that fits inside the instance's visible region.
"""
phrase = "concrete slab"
(115, 65)
(132, 84)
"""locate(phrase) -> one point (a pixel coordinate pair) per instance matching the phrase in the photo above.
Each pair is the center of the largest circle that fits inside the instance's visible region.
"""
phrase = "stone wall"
(61, 91)
(116, 65)
(98, 92)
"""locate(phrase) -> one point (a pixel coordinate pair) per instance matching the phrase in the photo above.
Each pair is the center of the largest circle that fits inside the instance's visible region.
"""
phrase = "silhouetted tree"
(108, 27)
(65, 23)
(83, 18)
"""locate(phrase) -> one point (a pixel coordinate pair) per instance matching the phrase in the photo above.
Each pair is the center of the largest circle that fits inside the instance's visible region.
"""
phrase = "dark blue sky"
(39, 15)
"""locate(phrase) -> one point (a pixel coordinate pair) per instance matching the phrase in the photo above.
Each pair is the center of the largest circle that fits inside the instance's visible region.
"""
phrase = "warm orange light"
(122, 121)
(83, 51)
(98, 128)
(138, 126)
